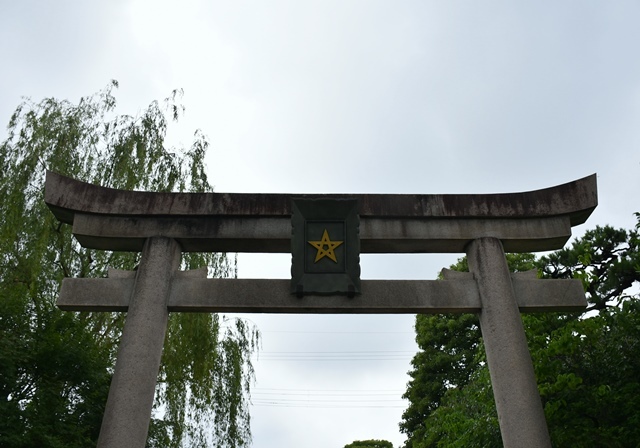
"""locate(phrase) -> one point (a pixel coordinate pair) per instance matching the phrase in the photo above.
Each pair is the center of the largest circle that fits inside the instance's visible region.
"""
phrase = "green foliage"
(588, 379)
(605, 259)
(370, 444)
(55, 367)
(586, 363)
(450, 357)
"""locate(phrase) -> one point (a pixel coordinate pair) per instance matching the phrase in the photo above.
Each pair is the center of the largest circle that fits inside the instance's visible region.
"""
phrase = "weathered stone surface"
(110, 219)
(457, 295)
(520, 413)
(66, 196)
(273, 235)
(126, 418)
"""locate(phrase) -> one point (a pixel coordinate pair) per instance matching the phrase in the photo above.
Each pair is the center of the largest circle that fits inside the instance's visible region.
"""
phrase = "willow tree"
(55, 367)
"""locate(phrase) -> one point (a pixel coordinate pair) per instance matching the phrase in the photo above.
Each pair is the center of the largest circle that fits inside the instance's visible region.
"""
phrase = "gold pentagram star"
(325, 242)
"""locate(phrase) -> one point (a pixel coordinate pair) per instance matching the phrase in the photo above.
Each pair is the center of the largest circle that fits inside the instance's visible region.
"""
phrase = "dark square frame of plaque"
(311, 220)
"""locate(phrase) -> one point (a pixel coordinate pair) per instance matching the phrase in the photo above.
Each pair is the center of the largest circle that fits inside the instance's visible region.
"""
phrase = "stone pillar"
(128, 411)
(520, 413)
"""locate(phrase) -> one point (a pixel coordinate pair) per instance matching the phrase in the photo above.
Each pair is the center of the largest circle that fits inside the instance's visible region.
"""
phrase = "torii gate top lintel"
(106, 218)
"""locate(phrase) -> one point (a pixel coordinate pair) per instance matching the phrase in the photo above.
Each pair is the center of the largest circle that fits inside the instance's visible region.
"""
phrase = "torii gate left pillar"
(126, 418)
(161, 225)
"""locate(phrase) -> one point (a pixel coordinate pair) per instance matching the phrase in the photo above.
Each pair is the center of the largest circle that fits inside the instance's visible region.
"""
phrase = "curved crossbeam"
(105, 218)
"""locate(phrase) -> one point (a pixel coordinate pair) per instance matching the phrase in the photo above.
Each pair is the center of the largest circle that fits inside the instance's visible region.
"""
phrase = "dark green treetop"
(369, 444)
(586, 363)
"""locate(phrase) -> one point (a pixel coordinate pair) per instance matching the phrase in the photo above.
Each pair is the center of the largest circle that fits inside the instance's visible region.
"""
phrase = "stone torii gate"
(163, 225)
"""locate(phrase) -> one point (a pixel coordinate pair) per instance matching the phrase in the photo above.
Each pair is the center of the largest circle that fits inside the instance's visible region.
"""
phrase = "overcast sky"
(356, 97)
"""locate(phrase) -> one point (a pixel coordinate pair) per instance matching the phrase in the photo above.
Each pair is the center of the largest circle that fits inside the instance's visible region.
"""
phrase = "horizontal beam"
(273, 235)
(110, 219)
(273, 296)
(66, 196)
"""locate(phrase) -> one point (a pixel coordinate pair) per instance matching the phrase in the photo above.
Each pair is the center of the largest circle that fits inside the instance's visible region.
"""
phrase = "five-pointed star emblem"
(325, 247)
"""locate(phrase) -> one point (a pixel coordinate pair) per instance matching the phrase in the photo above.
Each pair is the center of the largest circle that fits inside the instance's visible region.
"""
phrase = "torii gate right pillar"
(520, 413)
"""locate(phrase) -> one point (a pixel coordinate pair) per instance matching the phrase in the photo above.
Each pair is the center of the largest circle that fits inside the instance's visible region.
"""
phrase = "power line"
(378, 355)
(324, 394)
(322, 406)
(336, 332)
(342, 351)
(330, 403)
(327, 398)
(310, 359)
(328, 390)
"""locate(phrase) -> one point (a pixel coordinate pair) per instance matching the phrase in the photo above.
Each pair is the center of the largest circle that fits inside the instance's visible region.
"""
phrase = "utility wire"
(336, 332)
(390, 355)
(327, 398)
